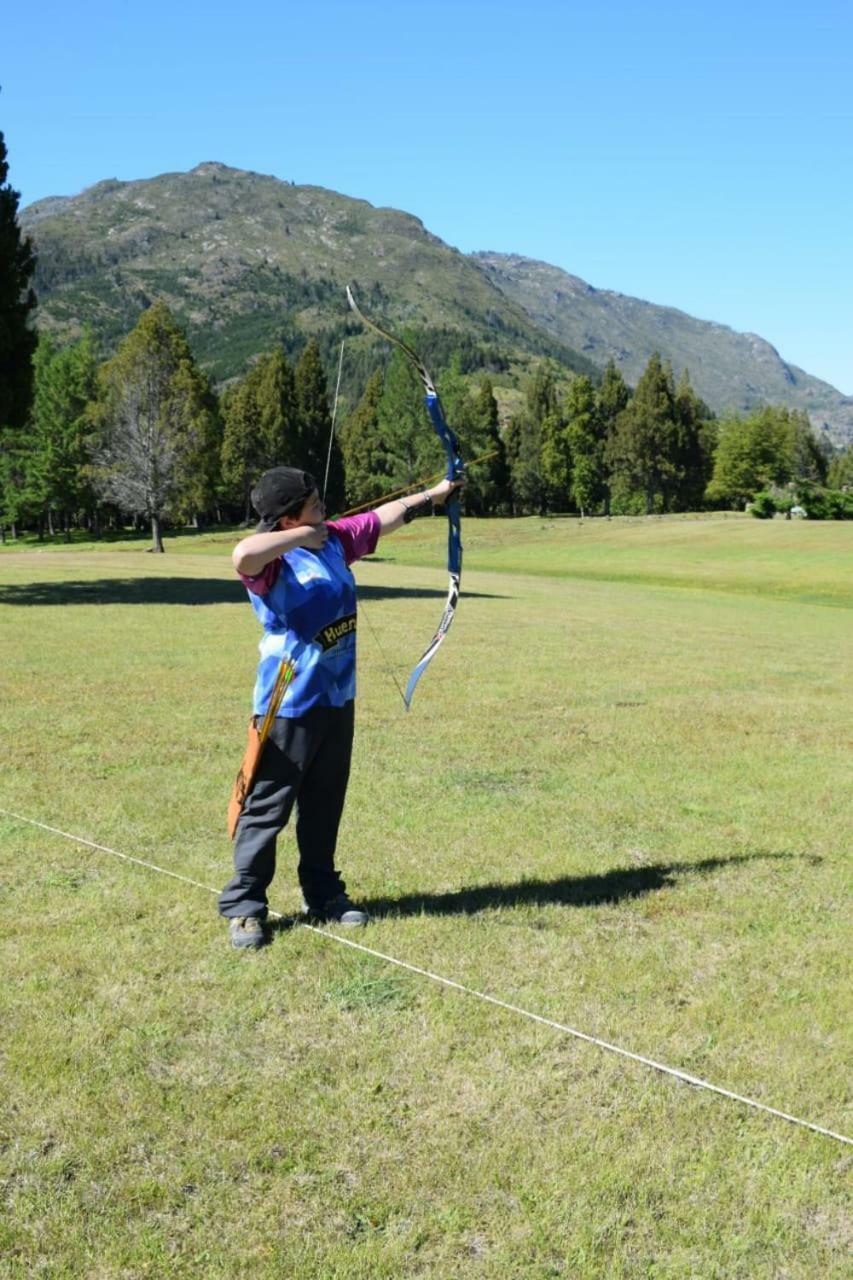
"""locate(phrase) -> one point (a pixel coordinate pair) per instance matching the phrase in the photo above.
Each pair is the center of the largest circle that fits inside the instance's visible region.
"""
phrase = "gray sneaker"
(247, 931)
(339, 910)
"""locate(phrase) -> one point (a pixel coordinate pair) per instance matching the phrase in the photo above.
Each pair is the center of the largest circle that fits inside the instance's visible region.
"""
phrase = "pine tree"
(241, 452)
(319, 444)
(523, 443)
(809, 463)
(555, 461)
(611, 400)
(474, 421)
(487, 488)
(151, 399)
(364, 455)
(411, 447)
(65, 383)
(541, 395)
(17, 345)
(199, 477)
(696, 446)
(585, 444)
(840, 470)
(261, 427)
(279, 426)
(642, 451)
(17, 301)
(540, 424)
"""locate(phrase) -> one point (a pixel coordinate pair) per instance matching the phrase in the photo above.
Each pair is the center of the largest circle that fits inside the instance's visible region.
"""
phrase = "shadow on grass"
(570, 891)
(189, 591)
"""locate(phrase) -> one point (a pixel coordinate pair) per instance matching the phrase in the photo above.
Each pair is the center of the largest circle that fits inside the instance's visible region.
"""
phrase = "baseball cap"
(281, 492)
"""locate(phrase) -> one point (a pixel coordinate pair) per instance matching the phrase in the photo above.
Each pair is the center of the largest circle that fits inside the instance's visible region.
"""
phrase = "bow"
(455, 468)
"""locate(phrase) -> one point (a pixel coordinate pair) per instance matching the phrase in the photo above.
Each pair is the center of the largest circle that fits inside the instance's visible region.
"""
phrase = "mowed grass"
(621, 801)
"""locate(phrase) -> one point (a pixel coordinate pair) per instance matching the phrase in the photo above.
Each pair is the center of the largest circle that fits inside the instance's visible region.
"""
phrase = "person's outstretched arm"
(401, 510)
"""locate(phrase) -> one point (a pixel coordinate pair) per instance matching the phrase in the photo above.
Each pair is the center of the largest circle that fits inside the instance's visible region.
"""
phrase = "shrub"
(763, 506)
(827, 504)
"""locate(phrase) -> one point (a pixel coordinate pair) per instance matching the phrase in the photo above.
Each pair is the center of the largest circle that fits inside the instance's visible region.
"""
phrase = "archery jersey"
(305, 602)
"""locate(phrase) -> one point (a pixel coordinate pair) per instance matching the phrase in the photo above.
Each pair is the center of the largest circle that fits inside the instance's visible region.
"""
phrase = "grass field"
(621, 801)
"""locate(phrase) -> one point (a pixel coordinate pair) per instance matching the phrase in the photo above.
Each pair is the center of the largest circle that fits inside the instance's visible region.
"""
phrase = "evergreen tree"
(840, 470)
(612, 398)
(242, 452)
(523, 442)
(474, 421)
(199, 477)
(17, 301)
(585, 444)
(540, 423)
(555, 461)
(17, 345)
(319, 445)
(487, 488)
(151, 400)
(643, 451)
(364, 455)
(809, 463)
(261, 427)
(65, 383)
(695, 446)
(282, 438)
(541, 395)
(411, 447)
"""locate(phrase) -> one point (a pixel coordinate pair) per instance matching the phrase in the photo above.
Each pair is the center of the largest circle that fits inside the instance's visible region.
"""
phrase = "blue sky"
(697, 155)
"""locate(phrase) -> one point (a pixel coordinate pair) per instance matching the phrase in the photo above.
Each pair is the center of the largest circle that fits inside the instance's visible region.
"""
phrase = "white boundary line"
(683, 1076)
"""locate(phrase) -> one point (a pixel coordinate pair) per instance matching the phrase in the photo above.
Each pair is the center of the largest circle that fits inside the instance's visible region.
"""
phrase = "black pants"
(306, 760)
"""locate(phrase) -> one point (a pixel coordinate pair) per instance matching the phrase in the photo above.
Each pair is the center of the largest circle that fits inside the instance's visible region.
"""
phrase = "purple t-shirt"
(305, 601)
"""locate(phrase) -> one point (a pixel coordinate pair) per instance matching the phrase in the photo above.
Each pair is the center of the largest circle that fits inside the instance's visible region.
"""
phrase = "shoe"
(247, 931)
(339, 910)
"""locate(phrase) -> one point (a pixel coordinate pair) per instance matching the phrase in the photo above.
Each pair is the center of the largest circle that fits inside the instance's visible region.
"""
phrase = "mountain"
(730, 371)
(245, 260)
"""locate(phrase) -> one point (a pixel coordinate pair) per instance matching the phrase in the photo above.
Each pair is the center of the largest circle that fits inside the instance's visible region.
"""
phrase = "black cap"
(281, 492)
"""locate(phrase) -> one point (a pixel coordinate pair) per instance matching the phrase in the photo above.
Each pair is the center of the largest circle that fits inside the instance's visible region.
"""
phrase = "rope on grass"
(684, 1076)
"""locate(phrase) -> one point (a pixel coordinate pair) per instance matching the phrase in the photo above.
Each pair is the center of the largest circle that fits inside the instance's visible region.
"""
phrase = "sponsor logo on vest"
(335, 631)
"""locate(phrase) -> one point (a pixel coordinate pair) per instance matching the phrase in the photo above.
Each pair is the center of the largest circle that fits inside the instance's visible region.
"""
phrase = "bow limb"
(455, 469)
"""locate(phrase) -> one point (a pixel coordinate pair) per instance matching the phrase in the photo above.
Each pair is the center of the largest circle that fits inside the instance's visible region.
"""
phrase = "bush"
(827, 504)
(763, 506)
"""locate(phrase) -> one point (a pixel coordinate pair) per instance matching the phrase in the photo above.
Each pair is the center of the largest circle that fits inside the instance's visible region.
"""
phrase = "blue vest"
(310, 615)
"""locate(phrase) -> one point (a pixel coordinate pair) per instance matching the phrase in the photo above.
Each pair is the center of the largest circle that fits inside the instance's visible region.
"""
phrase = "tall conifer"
(319, 444)
(17, 301)
(642, 452)
(65, 383)
(586, 445)
(261, 426)
(487, 489)
(612, 398)
(17, 345)
(364, 454)
(411, 447)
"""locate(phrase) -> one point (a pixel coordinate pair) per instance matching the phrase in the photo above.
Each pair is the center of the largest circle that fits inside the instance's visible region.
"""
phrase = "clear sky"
(698, 155)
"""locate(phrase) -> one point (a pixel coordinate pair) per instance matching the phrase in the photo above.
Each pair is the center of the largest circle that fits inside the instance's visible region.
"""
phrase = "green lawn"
(621, 801)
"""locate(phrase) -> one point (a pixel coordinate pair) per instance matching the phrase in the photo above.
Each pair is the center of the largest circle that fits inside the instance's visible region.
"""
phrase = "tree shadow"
(617, 885)
(186, 591)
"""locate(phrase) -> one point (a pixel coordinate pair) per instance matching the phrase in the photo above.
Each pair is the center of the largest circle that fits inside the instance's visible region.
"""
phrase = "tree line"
(144, 435)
